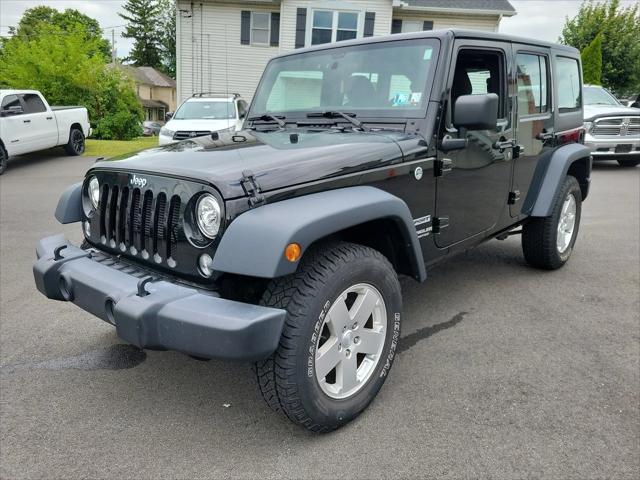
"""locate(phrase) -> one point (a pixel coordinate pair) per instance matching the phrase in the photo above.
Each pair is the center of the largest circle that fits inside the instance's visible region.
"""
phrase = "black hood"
(278, 159)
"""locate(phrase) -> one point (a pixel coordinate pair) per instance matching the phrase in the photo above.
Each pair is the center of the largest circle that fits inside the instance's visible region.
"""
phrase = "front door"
(473, 187)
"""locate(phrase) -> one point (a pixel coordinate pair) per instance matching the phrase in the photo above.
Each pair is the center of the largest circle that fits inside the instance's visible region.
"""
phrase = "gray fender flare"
(254, 242)
(69, 209)
(550, 173)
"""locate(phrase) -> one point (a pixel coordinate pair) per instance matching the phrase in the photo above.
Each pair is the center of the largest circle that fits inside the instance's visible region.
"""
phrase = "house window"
(260, 28)
(409, 26)
(333, 26)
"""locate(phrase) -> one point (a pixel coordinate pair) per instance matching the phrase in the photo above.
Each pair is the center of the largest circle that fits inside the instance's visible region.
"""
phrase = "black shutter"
(245, 27)
(369, 22)
(427, 25)
(275, 29)
(396, 26)
(301, 26)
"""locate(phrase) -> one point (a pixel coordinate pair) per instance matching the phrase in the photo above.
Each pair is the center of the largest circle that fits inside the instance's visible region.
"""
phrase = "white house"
(223, 46)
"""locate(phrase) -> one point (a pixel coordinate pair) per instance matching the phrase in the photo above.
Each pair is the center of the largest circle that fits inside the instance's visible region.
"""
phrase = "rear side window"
(569, 84)
(33, 103)
(532, 84)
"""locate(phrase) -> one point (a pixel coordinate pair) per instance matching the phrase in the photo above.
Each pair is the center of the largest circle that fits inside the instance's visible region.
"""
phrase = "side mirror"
(168, 116)
(13, 110)
(476, 112)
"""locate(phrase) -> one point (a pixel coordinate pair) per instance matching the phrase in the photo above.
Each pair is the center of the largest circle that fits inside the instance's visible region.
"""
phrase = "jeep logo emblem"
(138, 181)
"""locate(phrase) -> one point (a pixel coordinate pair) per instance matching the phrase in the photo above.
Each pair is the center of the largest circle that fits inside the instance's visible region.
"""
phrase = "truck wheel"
(339, 339)
(548, 242)
(628, 163)
(4, 158)
(75, 146)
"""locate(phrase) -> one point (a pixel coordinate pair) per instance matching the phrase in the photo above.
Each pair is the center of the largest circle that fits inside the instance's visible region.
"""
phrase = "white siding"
(381, 26)
(442, 20)
(209, 53)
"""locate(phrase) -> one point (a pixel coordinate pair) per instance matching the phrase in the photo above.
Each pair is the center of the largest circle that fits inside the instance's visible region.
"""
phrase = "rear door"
(473, 186)
(534, 117)
(43, 129)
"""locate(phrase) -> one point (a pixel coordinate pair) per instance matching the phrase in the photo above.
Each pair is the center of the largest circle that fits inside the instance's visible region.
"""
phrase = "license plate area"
(623, 148)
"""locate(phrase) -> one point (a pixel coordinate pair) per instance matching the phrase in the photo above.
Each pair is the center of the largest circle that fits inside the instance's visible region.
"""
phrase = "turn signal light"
(293, 252)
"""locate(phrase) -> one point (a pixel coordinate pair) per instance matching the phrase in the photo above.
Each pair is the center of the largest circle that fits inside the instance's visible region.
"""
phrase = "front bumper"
(155, 313)
(606, 147)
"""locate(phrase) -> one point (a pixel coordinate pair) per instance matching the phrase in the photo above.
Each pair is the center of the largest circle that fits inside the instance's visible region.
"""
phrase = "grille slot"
(140, 222)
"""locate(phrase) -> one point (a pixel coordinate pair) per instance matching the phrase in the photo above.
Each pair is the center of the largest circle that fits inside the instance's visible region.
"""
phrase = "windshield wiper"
(336, 114)
(266, 117)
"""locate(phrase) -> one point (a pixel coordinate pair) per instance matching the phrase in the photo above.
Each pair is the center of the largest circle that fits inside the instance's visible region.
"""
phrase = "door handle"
(544, 136)
(49, 118)
(502, 145)
(26, 121)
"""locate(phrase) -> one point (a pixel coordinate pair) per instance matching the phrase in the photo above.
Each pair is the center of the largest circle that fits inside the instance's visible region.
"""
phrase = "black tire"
(539, 235)
(628, 162)
(287, 380)
(75, 145)
(4, 159)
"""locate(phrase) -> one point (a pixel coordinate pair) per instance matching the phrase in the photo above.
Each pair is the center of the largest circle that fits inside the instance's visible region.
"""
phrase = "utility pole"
(113, 46)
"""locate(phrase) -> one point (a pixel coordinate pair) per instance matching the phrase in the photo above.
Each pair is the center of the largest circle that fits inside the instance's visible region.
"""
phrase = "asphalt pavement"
(504, 371)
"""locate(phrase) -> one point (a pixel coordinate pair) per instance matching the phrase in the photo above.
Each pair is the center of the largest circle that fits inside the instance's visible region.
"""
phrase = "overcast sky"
(542, 19)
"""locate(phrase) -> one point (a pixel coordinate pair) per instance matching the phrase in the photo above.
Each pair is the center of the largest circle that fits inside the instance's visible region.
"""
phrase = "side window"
(9, 102)
(532, 84)
(260, 28)
(33, 103)
(479, 72)
(569, 84)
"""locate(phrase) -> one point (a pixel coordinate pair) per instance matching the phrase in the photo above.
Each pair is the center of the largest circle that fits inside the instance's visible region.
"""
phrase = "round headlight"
(94, 191)
(208, 215)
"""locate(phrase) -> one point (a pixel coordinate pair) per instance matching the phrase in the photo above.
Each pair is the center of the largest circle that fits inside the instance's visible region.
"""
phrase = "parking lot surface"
(503, 372)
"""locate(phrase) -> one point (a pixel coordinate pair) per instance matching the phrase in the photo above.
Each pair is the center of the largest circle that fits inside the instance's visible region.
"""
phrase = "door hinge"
(439, 223)
(252, 189)
(513, 197)
(443, 166)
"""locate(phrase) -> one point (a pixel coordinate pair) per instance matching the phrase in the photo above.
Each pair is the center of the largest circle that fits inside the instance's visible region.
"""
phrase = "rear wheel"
(4, 158)
(340, 336)
(75, 146)
(548, 242)
(628, 163)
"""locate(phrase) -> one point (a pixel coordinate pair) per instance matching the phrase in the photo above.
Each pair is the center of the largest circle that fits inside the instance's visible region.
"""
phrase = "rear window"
(569, 84)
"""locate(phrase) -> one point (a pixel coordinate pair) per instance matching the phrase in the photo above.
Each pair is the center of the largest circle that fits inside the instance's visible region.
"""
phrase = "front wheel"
(628, 162)
(548, 242)
(75, 146)
(340, 336)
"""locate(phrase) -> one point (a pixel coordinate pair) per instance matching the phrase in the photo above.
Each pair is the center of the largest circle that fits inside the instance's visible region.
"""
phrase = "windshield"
(205, 110)
(387, 79)
(599, 96)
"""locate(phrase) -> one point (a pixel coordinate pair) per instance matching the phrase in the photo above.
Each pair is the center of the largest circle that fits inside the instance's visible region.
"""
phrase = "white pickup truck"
(28, 124)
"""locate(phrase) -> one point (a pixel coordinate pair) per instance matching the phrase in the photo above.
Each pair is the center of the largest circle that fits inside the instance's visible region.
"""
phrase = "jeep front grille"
(137, 221)
(185, 134)
(616, 127)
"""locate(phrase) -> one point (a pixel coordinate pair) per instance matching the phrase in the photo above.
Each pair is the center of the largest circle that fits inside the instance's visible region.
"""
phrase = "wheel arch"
(254, 243)
(573, 159)
(75, 126)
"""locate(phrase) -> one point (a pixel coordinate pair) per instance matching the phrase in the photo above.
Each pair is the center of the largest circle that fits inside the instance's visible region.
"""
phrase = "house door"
(473, 193)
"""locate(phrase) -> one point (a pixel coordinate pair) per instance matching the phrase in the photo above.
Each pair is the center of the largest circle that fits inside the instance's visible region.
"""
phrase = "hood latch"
(252, 189)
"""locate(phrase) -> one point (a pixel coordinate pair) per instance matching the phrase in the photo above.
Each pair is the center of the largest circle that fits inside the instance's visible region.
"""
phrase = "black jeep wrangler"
(282, 243)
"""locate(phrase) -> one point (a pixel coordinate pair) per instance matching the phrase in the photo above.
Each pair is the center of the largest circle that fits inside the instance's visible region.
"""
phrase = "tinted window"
(532, 84)
(10, 101)
(569, 84)
(33, 103)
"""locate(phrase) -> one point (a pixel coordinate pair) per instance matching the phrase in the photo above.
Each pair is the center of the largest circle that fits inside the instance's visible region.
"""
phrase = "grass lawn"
(113, 148)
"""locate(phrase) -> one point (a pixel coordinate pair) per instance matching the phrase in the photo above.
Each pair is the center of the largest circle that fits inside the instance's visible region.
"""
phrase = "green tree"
(69, 69)
(620, 29)
(35, 18)
(592, 61)
(143, 18)
(167, 35)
